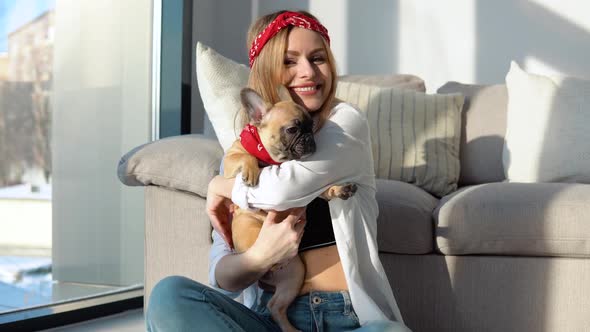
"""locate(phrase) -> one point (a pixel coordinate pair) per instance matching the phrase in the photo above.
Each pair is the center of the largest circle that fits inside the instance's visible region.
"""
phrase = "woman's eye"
(292, 130)
(289, 62)
(318, 59)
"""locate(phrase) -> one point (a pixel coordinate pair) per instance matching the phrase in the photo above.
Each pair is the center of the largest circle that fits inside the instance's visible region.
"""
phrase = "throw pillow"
(546, 129)
(220, 81)
(415, 136)
(186, 162)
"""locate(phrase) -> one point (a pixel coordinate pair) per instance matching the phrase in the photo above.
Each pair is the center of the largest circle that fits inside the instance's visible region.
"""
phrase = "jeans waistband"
(315, 300)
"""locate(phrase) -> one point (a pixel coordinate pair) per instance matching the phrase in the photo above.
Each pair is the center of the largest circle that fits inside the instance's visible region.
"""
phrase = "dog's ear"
(254, 104)
(284, 94)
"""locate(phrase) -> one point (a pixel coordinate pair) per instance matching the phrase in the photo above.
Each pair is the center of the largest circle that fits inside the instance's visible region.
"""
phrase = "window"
(75, 95)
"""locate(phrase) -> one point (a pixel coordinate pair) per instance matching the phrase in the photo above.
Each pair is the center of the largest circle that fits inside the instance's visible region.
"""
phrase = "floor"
(129, 321)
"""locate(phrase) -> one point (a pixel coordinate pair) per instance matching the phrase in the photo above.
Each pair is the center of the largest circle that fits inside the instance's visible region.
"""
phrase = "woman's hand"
(279, 237)
(219, 208)
(220, 214)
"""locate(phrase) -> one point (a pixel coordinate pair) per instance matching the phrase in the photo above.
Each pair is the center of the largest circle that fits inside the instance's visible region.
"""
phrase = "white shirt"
(343, 155)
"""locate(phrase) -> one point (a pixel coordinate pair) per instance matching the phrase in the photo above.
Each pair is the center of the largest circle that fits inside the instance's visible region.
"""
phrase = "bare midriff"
(323, 270)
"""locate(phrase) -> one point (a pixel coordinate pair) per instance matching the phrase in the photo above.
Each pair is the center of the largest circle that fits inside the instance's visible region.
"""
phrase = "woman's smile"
(307, 90)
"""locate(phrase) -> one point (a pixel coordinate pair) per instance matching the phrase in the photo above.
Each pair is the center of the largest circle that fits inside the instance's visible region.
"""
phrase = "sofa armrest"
(176, 172)
(177, 237)
(186, 163)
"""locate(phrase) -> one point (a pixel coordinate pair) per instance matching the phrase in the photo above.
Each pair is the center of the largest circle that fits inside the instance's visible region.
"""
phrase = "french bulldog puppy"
(285, 131)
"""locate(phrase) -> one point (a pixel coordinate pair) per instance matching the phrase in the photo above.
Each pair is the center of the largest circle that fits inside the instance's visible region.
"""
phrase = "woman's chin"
(312, 105)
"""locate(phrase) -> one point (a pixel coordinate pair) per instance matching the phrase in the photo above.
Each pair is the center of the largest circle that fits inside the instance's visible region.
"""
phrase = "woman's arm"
(218, 206)
(343, 155)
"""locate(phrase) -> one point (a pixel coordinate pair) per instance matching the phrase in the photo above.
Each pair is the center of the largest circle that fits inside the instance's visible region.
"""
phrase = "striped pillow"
(415, 135)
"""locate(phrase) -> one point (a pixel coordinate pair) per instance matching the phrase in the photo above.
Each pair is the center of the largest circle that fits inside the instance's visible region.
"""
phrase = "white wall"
(463, 40)
(473, 41)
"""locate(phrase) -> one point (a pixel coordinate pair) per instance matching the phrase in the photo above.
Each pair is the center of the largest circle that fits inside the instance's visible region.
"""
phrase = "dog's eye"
(292, 130)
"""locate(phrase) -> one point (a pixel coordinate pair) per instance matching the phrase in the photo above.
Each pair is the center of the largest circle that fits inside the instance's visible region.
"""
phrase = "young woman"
(345, 286)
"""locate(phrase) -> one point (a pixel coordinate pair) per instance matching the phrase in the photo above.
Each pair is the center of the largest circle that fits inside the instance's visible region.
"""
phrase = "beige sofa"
(491, 256)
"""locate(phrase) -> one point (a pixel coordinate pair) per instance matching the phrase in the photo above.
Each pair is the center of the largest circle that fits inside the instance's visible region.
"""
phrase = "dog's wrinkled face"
(285, 129)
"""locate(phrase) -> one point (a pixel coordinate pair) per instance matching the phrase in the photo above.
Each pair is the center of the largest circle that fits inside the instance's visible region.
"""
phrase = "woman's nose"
(306, 69)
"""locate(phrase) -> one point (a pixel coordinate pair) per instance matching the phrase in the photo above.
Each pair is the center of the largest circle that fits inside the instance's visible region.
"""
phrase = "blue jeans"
(180, 304)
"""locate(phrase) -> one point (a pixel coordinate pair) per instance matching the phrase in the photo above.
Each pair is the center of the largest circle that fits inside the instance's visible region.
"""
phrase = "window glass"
(74, 96)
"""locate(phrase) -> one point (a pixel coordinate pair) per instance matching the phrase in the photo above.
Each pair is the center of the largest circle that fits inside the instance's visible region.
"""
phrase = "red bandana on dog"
(251, 142)
(285, 19)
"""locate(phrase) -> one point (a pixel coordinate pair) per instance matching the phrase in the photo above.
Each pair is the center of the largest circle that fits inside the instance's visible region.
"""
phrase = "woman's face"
(307, 73)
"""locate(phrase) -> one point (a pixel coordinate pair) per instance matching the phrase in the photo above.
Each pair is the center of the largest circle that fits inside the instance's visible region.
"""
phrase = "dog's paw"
(250, 175)
(346, 191)
(250, 181)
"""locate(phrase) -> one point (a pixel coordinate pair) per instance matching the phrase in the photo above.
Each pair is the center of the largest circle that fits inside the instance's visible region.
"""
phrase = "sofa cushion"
(547, 128)
(534, 219)
(405, 223)
(184, 163)
(415, 135)
(483, 127)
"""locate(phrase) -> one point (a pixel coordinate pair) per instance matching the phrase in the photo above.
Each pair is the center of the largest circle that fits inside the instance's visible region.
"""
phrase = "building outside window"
(26, 53)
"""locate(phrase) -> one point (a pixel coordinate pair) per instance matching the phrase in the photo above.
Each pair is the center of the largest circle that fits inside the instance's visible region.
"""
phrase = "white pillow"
(220, 81)
(547, 136)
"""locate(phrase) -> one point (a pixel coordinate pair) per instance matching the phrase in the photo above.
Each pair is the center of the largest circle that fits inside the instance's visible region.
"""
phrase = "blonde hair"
(266, 72)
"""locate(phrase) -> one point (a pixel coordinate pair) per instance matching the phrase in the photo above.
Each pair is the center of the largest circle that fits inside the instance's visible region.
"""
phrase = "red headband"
(285, 19)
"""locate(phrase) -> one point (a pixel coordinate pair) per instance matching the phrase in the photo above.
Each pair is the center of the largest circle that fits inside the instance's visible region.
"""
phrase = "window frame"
(72, 311)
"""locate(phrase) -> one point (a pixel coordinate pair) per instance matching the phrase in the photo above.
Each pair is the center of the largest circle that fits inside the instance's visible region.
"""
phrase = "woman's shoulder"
(346, 118)
(342, 108)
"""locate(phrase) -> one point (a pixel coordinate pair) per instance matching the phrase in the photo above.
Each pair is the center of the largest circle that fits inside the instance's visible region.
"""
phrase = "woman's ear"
(284, 94)
(254, 105)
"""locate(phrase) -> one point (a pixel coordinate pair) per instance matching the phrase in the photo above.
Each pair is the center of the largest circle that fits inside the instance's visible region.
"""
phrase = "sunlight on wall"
(437, 41)
(569, 10)
(534, 65)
